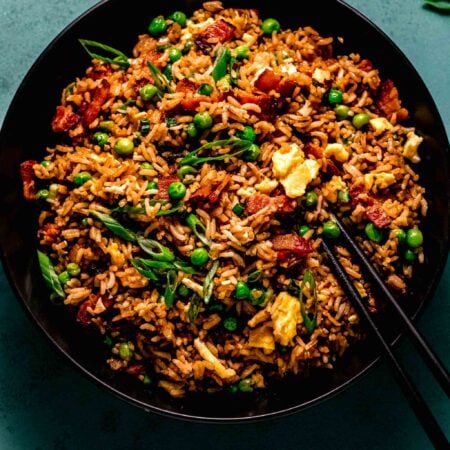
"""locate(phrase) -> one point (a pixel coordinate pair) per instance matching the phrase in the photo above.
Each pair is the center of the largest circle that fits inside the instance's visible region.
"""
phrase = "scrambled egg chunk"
(411, 145)
(293, 171)
(338, 151)
(262, 337)
(266, 186)
(380, 124)
(331, 189)
(117, 257)
(285, 313)
(381, 180)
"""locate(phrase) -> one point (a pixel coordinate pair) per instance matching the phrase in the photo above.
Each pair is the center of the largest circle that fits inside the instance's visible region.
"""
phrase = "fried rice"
(141, 181)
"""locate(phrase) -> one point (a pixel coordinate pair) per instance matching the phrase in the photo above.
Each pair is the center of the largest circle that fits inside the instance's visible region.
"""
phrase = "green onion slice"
(208, 284)
(119, 59)
(308, 278)
(49, 274)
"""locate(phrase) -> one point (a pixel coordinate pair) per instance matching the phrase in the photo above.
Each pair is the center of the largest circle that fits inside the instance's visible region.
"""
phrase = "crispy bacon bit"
(291, 246)
(355, 192)
(269, 105)
(209, 194)
(286, 88)
(48, 233)
(83, 315)
(366, 65)
(282, 203)
(64, 119)
(389, 102)
(152, 56)
(312, 149)
(100, 96)
(100, 71)
(185, 85)
(135, 370)
(376, 214)
(267, 81)
(256, 202)
(163, 186)
(27, 174)
(217, 32)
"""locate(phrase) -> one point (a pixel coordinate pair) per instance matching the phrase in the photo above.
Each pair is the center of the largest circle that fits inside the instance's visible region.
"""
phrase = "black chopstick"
(429, 357)
(423, 413)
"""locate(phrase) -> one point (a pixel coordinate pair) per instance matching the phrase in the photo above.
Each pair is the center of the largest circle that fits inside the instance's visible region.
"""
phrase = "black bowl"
(118, 24)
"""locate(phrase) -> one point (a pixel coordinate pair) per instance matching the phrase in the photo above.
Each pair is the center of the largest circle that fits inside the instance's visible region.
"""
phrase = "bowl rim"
(428, 294)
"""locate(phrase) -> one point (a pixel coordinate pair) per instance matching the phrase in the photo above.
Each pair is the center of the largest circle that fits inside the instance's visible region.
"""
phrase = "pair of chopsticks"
(417, 403)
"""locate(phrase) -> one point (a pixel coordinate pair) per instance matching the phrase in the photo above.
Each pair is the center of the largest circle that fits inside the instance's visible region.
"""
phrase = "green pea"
(331, 229)
(73, 269)
(334, 96)
(242, 52)
(341, 112)
(359, 120)
(414, 238)
(303, 230)
(245, 385)
(147, 92)
(176, 190)
(125, 351)
(199, 256)
(179, 17)
(174, 54)
(238, 209)
(409, 255)
(230, 324)
(146, 166)
(64, 277)
(270, 25)
(157, 26)
(203, 120)
(152, 186)
(168, 72)
(252, 153)
(101, 138)
(46, 163)
(42, 194)
(343, 196)
(400, 235)
(311, 199)
(124, 147)
(191, 130)
(205, 89)
(81, 178)
(373, 233)
(248, 133)
(183, 290)
(147, 380)
(242, 291)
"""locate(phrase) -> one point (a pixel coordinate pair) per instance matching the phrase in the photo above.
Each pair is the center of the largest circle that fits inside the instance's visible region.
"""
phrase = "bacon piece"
(185, 85)
(209, 194)
(376, 214)
(48, 233)
(217, 32)
(269, 105)
(286, 88)
(290, 246)
(64, 119)
(27, 174)
(267, 81)
(83, 315)
(389, 102)
(135, 370)
(366, 65)
(163, 186)
(100, 71)
(312, 149)
(152, 56)
(282, 203)
(100, 96)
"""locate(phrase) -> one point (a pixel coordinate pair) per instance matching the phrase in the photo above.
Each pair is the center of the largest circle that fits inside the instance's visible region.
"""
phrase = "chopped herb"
(158, 251)
(220, 66)
(160, 80)
(194, 308)
(308, 278)
(439, 5)
(166, 212)
(164, 265)
(254, 276)
(208, 284)
(171, 122)
(123, 107)
(50, 277)
(198, 228)
(238, 209)
(119, 59)
(114, 226)
(143, 269)
(171, 288)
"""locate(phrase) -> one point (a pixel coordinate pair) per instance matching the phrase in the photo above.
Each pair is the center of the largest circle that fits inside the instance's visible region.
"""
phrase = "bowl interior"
(26, 133)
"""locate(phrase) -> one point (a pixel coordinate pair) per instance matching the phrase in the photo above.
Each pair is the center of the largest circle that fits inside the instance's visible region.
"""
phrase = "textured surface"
(45, 404)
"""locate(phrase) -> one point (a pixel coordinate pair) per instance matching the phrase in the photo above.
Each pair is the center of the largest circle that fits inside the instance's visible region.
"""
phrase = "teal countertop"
(46, 404)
